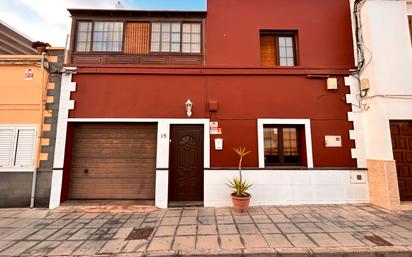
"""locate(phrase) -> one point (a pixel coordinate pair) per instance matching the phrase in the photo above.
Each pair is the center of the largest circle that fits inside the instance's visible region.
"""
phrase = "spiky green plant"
(239, 186)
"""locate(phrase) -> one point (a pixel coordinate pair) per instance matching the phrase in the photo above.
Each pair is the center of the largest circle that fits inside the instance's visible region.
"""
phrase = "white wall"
(284, 187)
(389, 70)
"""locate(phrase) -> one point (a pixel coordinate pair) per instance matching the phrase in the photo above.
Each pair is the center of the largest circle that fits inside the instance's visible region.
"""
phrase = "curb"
(395, 251)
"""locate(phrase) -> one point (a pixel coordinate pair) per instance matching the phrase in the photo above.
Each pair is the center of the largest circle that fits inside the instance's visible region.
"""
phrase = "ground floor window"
(17, 145)
(282, 145)
(284, 142)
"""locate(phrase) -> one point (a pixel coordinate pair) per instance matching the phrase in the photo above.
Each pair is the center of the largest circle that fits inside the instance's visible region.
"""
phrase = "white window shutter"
(6, 147)
(25, 145)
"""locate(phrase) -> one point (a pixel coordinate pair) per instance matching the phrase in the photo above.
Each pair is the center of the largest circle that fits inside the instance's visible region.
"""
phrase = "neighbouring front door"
(186, 163)
(401, 132)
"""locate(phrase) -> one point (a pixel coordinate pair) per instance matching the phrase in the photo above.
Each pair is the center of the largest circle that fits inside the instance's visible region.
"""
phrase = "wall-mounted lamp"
(189, 106)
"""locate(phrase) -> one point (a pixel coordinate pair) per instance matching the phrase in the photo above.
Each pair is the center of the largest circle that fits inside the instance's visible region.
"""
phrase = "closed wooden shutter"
(267, 50)
(6, 147)
(137, 38)
(26, 139)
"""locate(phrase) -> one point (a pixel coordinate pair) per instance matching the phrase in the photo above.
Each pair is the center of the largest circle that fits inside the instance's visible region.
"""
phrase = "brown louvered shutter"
(267, 50)
(137, 38)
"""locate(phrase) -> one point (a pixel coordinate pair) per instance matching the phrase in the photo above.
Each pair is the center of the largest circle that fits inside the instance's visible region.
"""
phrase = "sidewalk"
(334, 230)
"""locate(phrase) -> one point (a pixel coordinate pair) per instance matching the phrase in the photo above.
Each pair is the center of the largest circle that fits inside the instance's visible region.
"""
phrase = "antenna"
(119, 5)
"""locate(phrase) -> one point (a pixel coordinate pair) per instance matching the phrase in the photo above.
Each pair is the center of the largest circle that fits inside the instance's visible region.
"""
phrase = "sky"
(49, 21)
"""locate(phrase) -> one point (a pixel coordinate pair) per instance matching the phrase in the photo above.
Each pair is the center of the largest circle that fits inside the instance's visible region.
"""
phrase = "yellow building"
(29, 87)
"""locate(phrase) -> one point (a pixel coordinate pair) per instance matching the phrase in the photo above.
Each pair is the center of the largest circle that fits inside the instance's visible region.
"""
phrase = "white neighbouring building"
(382, 102)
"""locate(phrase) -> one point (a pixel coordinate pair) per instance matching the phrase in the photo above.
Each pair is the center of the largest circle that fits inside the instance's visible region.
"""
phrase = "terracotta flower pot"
(240, 204)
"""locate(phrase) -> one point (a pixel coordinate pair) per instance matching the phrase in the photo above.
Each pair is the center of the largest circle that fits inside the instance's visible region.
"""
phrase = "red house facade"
(153, 103)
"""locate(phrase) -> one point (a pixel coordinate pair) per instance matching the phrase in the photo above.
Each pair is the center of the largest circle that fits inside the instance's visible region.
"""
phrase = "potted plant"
(240, 195)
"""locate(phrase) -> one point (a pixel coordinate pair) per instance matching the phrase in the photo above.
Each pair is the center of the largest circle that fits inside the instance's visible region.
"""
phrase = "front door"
(186, 163)
(401, 132)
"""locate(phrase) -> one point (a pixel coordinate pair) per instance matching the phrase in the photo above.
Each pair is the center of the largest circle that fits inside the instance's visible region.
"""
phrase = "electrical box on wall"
(358, 177)
(218, 144)
(333, 141)
(365, 84)
(332, 83)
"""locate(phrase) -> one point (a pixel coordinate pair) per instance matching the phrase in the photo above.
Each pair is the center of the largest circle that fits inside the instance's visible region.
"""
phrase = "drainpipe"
(42, 108)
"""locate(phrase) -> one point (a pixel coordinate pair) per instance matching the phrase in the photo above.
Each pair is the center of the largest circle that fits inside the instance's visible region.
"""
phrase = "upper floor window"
(278, 48)
(138, 37)
(176, 37)
(191, 38)
(99, 36)
(165, 37)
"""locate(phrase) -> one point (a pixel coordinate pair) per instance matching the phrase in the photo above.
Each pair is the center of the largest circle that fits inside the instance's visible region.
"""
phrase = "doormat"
(140, 233)
(379, 241)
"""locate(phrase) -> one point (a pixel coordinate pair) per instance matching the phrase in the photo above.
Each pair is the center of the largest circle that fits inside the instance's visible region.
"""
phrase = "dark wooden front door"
(186, 163)
(401, 132)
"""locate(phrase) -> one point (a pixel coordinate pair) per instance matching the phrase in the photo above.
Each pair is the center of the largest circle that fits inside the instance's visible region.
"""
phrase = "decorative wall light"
(189, 106)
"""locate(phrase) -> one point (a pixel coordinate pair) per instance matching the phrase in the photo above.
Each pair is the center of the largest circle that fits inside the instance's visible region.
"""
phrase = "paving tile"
(160, 244)
(288, 228)
(231, 242)
(89, 215)
(207, 243)
(20, 234)
(254, 241)
(63, 234)
(170, 221)
(260, 218)
(18, 248)
(271, 210)
(208, 211)
(43, 248)
(96, 223)
(190, 220)
(227, 229)
(243, 219)
(206, 230)
(66, 248)
(206, 220)
(324, 240)
(329, 227)
(131, 223)
(277, 240)
(278, 218)
(133, 246)
(249, 229)
(6, 244)
(165, 231)
(268, 228)
(309, 227)
(114, 223)
(225, 211)
(186, 230)
(83, 234)
(300, 240)
(173, 213)
(59, 223)
(113, 246)
(190, 212)
(225, 219)
(104, 234)
(89, 248)
(347, 240)
(42, 234)
(186, 243)
(122, 233)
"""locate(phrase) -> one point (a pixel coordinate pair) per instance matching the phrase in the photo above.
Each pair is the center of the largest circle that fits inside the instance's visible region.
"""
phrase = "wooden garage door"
(113, 161)
(401, 132)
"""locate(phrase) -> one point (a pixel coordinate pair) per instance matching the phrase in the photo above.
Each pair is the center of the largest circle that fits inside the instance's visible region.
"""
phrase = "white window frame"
(308, 137)
(21, 169)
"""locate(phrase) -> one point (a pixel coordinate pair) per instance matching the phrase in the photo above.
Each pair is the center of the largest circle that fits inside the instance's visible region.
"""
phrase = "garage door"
(113, 161)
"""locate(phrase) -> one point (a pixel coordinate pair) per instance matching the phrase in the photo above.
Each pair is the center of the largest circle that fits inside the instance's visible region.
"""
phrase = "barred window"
(191, 38)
